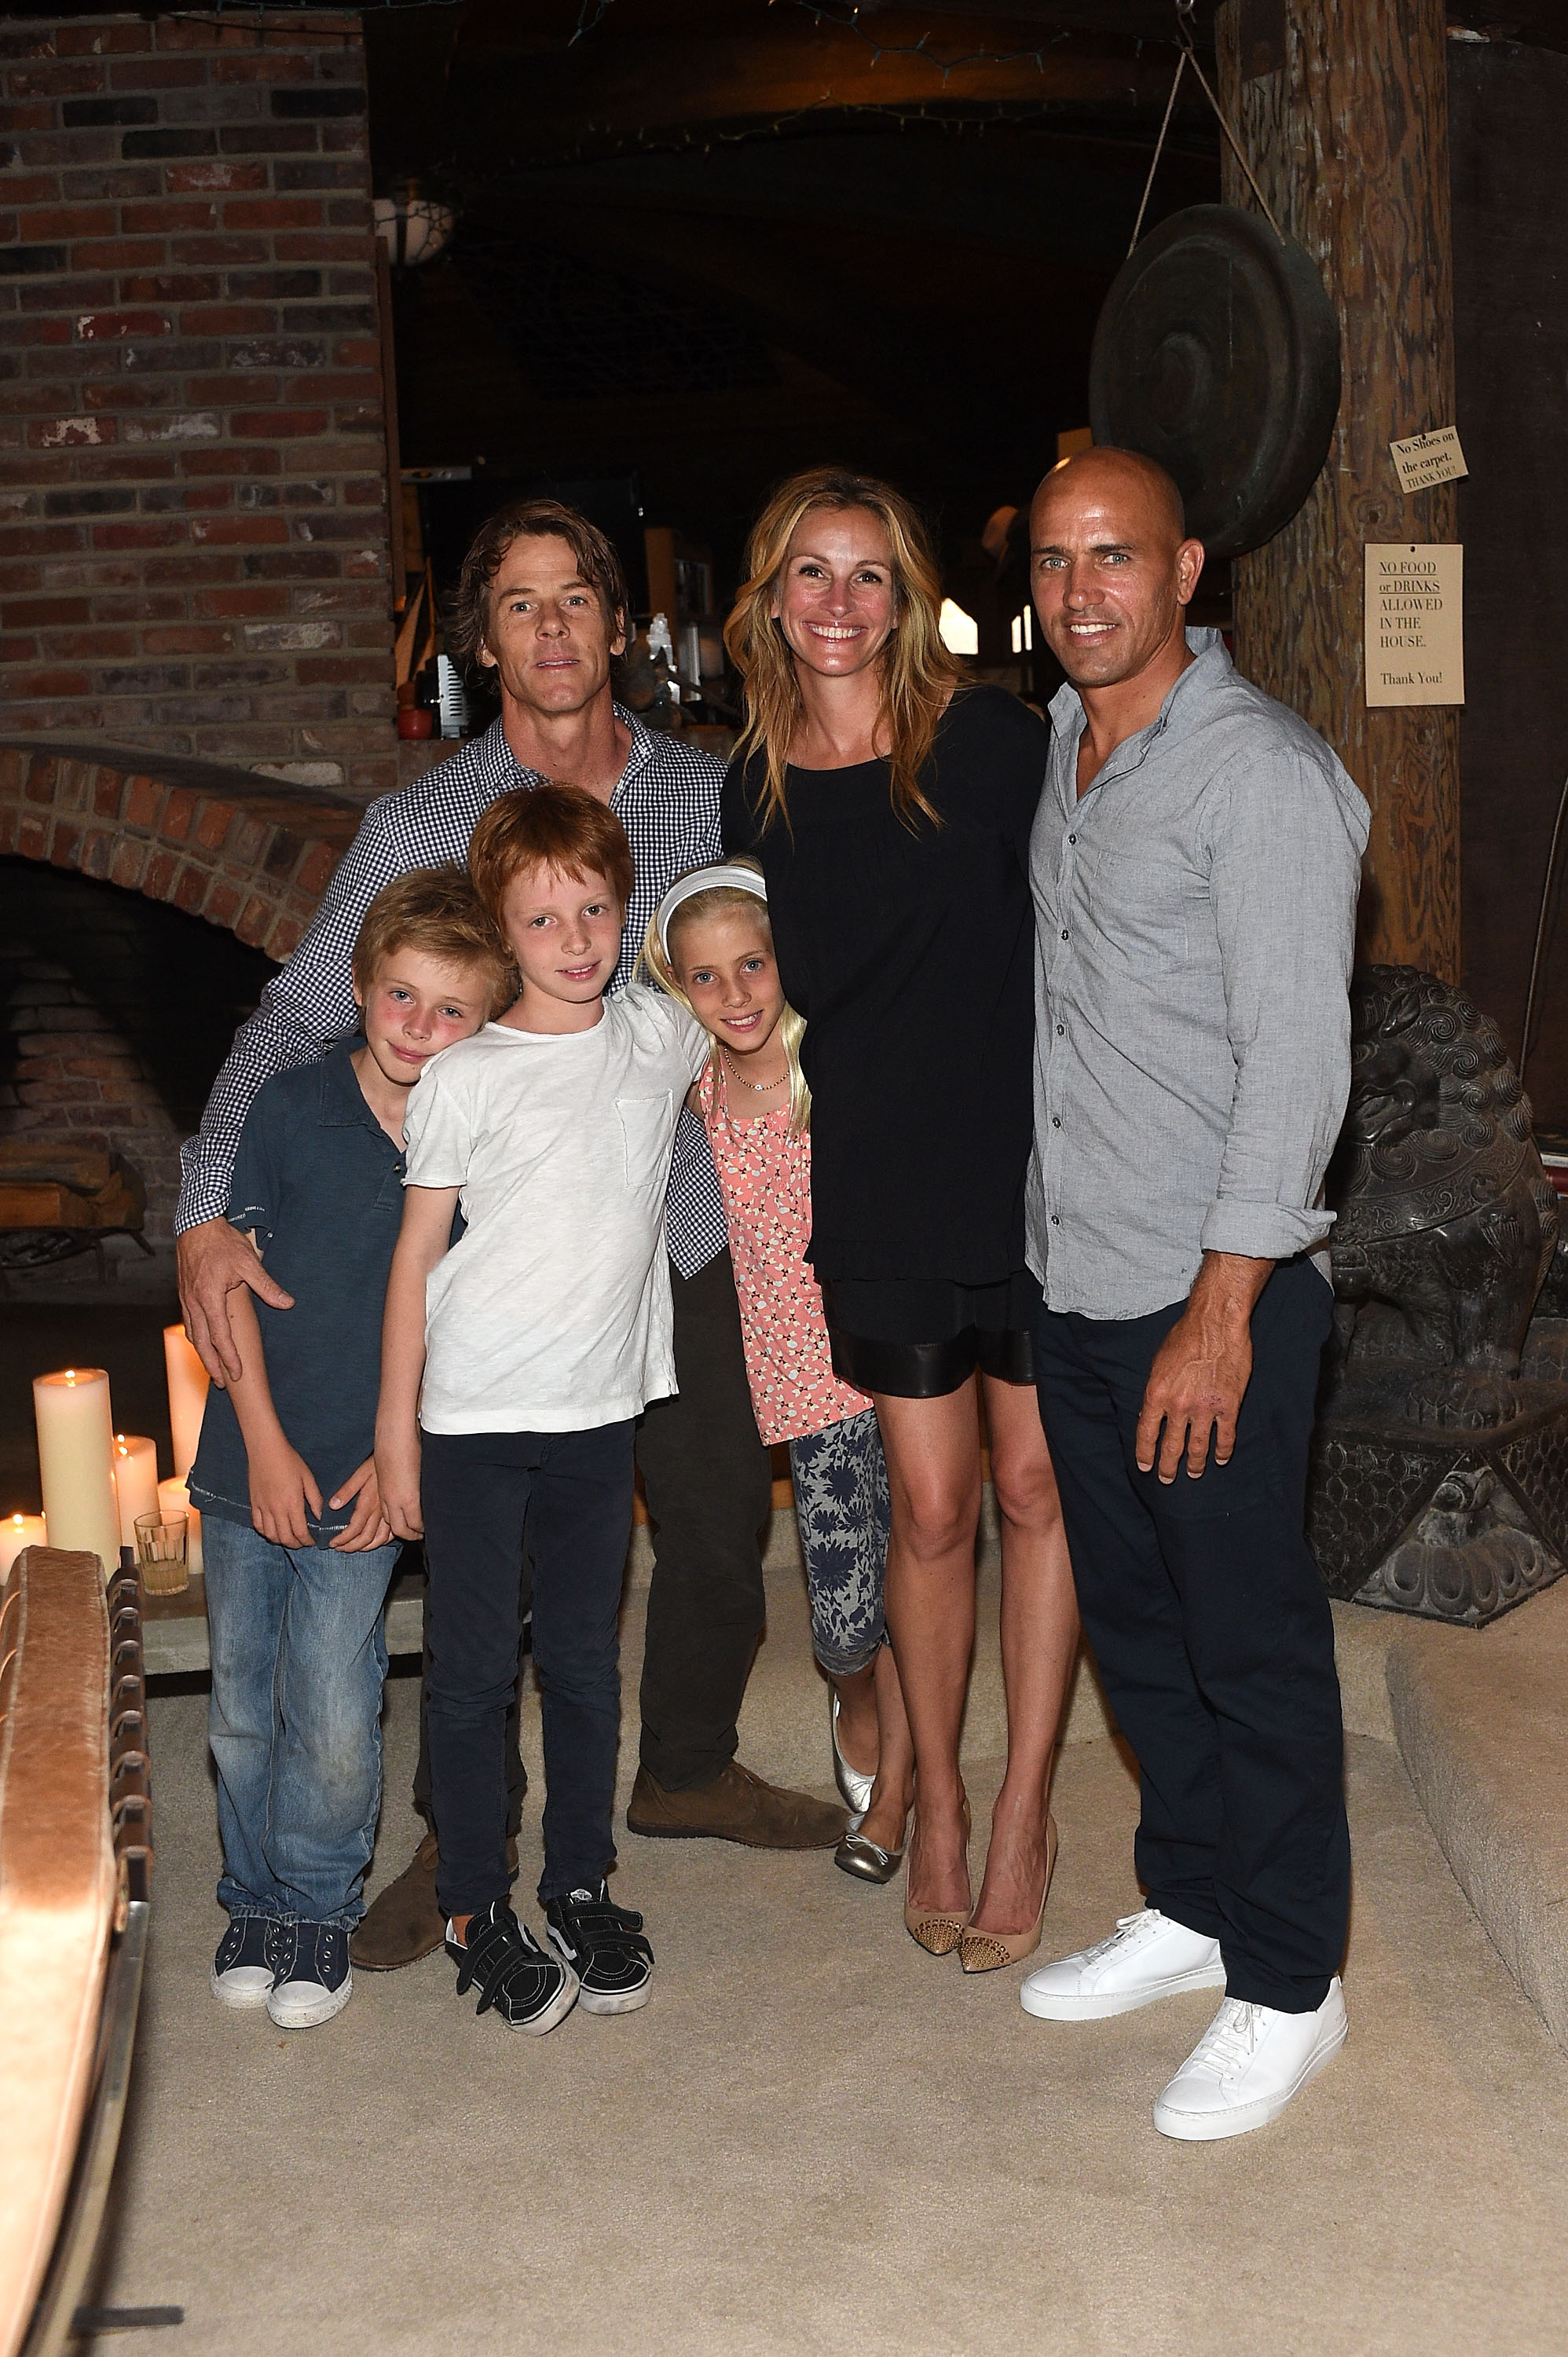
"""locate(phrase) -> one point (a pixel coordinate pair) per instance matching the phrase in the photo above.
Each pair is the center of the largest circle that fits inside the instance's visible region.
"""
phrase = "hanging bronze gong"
(1217, 353)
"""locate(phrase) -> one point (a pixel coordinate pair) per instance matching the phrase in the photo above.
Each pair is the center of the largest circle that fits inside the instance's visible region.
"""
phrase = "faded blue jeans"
(298, 1657)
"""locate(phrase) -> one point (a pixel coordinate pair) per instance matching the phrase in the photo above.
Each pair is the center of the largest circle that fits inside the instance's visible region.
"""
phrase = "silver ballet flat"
(854, 1788)
(859, 1856)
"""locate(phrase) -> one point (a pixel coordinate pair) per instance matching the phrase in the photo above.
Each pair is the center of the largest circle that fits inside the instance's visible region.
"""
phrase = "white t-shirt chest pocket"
(646, 1131)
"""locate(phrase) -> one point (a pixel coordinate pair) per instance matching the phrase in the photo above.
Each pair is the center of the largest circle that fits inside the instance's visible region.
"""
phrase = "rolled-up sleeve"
(1284, 874)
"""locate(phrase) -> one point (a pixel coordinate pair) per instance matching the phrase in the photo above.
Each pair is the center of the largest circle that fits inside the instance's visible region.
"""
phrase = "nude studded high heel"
(936, 1929)
(990, 1952)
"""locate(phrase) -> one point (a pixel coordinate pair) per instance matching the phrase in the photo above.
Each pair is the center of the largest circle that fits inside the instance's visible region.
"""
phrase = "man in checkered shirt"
(541, 604)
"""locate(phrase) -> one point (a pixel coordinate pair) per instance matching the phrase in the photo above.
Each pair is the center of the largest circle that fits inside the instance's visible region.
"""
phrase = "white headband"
(707, 879)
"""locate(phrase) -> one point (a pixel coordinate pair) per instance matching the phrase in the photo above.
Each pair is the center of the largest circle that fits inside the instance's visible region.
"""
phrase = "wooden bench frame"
(55, 2313)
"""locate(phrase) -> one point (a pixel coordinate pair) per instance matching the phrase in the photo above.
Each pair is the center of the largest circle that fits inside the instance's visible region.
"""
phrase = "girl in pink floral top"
(709, 945)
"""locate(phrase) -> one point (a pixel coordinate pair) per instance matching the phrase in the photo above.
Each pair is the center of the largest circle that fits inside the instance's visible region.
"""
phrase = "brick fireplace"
(193, 475)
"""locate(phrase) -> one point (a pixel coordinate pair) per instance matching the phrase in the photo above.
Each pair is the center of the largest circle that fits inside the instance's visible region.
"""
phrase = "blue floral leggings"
(844, 1515)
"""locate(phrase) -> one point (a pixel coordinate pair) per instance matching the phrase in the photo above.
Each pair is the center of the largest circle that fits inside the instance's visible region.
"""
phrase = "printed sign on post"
(1429, 458)
(1414, 624)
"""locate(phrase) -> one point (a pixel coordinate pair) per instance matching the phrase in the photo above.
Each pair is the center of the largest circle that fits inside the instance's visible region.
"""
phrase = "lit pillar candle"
(136, 1481)
(17, 1531)
(174, 1498)
(187, 1397)
(76, 1460)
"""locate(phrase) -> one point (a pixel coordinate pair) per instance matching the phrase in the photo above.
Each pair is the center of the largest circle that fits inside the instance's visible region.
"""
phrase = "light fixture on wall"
(412, 227)
(959, 631)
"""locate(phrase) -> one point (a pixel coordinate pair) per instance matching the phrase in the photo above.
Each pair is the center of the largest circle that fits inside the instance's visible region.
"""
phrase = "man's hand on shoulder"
(214, 1258)
(1202, 1369)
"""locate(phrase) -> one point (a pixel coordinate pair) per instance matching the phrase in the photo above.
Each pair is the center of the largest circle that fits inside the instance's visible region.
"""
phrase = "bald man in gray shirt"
(1195, 864)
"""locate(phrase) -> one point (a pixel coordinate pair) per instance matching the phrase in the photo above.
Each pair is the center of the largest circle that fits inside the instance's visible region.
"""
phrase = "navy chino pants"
(1214, 1639)
(572, 1492)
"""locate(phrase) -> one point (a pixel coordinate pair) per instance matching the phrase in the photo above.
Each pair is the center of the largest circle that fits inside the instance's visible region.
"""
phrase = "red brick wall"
(193, 530)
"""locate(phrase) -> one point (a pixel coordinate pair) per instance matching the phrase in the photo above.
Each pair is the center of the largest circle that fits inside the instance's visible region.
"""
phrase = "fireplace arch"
(250, 854)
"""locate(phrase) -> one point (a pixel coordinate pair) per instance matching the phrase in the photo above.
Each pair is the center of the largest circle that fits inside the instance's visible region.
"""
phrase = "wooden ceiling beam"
(637, 83)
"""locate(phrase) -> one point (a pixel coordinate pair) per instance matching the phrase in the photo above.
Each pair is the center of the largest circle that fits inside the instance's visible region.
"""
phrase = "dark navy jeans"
(480, 1491)
(1214, 1639)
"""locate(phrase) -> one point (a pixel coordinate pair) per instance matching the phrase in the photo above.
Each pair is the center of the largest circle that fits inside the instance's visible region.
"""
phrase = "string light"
(882, 48)
(926, 114)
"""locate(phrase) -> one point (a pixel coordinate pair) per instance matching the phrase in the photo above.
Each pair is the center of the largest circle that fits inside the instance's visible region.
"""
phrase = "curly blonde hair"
(656, 963)
(918, 674)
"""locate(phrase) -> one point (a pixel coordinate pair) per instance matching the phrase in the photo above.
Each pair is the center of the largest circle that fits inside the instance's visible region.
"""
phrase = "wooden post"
(1347, 128)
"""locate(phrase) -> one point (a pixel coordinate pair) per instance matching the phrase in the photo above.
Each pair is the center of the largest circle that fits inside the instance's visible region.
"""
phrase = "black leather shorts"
(922, 1337)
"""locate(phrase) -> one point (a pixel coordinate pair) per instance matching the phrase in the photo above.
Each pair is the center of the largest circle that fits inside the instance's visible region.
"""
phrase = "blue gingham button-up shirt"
(1195, 921)
(668, 800)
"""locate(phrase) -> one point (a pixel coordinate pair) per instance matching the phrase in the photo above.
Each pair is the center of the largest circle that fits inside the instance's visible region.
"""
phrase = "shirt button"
(1055, 1221)
(1056, 1121)
(1073, 838)
(1061, 1030)
(1064, 932)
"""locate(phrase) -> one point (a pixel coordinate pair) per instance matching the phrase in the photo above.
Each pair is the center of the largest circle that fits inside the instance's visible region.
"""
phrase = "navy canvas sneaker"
(247, 1957)
(512, 1972)
(313, 1981)
(604, 1945)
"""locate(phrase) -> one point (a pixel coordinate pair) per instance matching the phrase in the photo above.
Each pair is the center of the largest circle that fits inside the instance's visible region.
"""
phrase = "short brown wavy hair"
(439, 910)
(468, 615)
(547, 826)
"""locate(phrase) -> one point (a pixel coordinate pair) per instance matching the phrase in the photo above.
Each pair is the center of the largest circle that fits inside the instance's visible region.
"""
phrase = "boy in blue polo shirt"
(298, 1552)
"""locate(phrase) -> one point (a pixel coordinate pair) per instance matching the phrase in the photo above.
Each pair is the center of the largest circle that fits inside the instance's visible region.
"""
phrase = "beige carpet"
(818, 2142)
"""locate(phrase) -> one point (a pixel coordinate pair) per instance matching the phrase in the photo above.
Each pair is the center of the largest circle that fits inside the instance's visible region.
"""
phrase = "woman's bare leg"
(1039, 1644)
(932, 1447)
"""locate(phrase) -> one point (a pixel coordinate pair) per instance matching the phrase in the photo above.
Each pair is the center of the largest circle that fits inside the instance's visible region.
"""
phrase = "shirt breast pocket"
(1152, 908)
(647, 1135)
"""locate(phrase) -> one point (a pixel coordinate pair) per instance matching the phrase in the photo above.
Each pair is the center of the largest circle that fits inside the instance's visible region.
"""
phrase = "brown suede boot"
(404, 1922)
(737, 1806)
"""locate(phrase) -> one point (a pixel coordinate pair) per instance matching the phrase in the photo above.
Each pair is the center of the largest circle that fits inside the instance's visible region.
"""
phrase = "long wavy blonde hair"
(918, 674)
(657, 966)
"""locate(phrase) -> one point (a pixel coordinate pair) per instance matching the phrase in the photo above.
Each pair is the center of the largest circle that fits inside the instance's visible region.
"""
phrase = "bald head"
(1120, 477)
(1111, 567)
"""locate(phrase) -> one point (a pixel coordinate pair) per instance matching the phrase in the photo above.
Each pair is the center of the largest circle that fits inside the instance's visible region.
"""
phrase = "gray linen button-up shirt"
(1196, 916)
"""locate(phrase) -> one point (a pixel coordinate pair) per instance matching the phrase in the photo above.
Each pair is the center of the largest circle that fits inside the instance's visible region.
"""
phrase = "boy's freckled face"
(565, 932)
(415, 1005)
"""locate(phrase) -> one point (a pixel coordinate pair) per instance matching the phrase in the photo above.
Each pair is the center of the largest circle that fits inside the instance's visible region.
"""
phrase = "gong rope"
(1189, 56)
(1524, 1044)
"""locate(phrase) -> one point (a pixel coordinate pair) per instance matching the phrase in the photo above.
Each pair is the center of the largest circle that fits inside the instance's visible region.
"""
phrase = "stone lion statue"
(1445, 1215)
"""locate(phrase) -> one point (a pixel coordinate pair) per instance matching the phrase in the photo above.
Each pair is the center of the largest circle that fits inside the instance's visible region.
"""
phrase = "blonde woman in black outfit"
(890, 807)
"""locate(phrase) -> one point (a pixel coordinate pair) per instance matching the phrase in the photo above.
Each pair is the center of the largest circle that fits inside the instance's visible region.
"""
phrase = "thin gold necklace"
(758, 1088)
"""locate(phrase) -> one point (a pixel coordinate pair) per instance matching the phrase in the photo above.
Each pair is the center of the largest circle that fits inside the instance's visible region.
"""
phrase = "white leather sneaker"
(1246, 2067)
(1146, 1957)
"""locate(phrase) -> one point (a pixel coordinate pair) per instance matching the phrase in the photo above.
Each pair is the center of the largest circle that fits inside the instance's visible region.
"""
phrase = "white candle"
(76, 1460)
(174, 1498)
(17, 1531)
(136, 1481)
(187, 1397)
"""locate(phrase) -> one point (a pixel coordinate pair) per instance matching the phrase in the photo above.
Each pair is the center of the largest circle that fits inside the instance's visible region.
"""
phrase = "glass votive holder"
(160, 1550)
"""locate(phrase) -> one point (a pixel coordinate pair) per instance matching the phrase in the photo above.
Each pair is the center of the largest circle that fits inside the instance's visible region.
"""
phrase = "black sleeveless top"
(910, 950)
